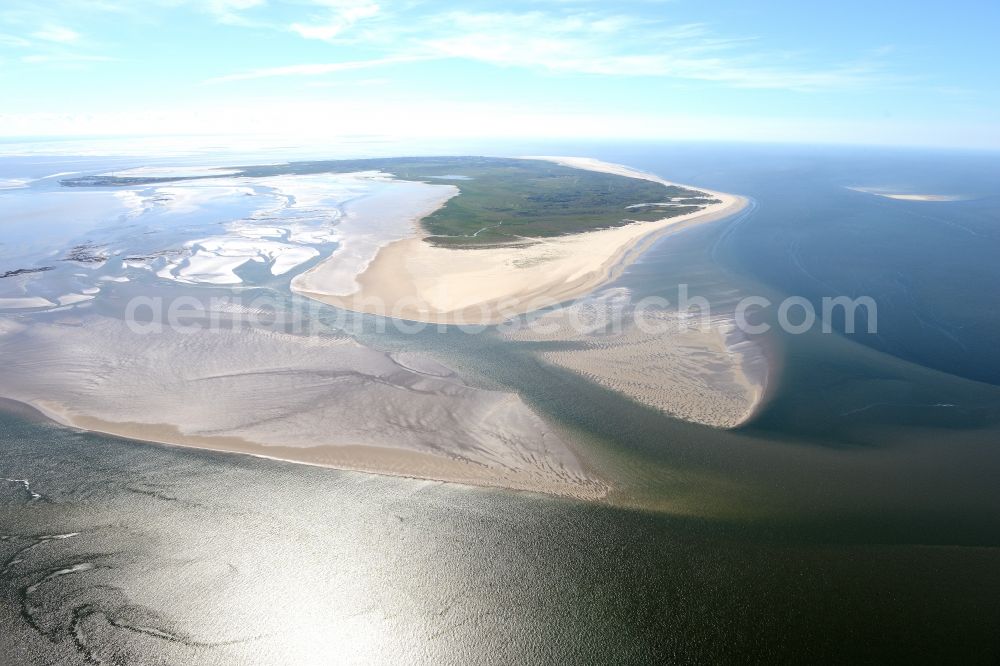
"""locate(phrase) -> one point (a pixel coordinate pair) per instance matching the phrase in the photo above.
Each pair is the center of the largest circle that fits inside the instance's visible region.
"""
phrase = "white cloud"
(618, 46)
(580, 43)
(64, 58)
(340, 15)
(313, 69)
(57, 33)
(230, 11)
(597, 43)
(13, 41)
(232, 5)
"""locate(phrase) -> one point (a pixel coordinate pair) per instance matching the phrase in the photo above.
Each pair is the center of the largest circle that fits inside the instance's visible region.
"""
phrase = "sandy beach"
(414, 280)
(320, 400)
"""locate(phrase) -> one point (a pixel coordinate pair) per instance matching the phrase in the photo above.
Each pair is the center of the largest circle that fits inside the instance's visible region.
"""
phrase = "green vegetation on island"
(501, 200)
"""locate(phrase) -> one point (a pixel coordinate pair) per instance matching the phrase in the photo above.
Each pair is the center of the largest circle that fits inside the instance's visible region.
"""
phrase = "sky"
(875, 72)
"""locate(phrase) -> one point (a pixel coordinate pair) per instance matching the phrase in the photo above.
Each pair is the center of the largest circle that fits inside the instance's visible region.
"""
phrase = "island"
(505, 237)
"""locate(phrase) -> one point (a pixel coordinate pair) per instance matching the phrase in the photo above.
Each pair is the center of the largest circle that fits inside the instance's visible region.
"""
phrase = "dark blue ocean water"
(930, 266)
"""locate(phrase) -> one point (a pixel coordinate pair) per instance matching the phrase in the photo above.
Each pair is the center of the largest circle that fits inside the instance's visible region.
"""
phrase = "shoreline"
(495, 441)
(277, 396)
(359, 458)
(413, 280)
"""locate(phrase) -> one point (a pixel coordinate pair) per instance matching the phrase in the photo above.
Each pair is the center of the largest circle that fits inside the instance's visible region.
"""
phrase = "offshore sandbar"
(321, 400)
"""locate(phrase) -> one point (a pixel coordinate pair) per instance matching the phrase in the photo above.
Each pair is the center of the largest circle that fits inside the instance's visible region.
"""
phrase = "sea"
(855, 517)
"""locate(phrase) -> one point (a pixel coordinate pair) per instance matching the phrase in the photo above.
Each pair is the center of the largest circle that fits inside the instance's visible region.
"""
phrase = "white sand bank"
(902, 196)
(321, 400)
(707, 373)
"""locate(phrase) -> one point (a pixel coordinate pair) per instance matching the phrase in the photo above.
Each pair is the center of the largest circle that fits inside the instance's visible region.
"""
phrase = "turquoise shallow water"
(856, 517)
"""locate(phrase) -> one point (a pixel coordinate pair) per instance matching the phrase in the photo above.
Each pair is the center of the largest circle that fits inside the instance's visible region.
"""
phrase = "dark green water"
(186, 557)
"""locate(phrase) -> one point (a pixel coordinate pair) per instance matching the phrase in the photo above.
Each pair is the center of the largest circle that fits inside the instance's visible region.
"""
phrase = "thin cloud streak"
(341, 16)
(57, 33)
(13, 41)
(313, 69)
(65, 58)
(586, 44)
(603, 44)
(574, 42)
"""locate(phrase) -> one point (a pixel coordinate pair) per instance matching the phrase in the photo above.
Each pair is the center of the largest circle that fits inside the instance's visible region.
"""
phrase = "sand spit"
(413, 280)
(321, 400)
(899, 196)
(707, 374)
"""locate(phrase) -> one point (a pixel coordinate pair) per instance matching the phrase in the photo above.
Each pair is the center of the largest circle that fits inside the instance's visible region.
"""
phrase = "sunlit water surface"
(856, 516)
